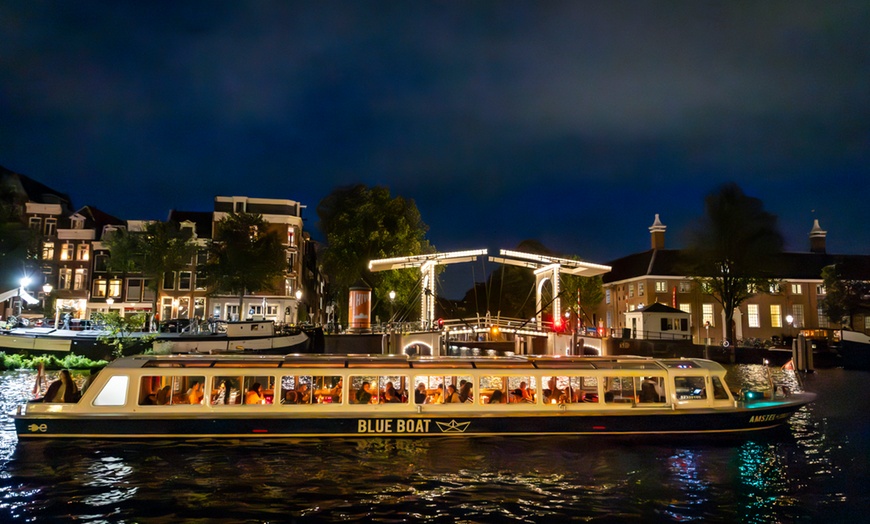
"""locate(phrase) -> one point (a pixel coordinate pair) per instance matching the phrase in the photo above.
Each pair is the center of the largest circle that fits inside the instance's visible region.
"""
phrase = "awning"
(25, 296)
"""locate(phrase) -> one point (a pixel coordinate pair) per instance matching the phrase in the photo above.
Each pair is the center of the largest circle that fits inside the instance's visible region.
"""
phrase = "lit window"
(115, 288)
(797, 312)
(66, 251)
(100, 286)
(83, 252)
(707, 314)
(607, 296)
(661, 286)
(640, 289)
(754, 321)
(631, 291)
(48, 251)
(823, 318)
(686, 308)
(79, 279)
(797, 289)
(820, 290)
(685, 287)
(65, 280)
(775, 315)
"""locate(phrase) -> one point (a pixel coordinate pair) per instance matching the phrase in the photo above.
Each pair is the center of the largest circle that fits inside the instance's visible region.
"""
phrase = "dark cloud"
(570, 122)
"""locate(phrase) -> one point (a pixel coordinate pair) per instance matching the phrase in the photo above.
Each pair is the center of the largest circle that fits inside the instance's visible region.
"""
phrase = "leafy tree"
(161, 248)
(731, 249)
(18, 243)
(361, 224)
(245, 257)
(844, 296)
(119, 333)
(583, 294)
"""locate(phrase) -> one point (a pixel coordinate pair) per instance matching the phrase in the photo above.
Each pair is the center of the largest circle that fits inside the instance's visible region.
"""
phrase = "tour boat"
(297, 396)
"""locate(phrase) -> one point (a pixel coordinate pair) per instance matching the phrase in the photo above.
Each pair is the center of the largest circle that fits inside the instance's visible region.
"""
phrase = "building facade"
(792, 306)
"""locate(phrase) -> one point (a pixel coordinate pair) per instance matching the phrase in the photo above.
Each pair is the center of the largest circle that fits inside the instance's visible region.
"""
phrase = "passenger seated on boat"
(254, 394)
(525, 394)
(648, 392)
(452, 395)
(390, 393)
(420, 394)
(220, 396)
(336, 392)
(552, 394)
(465, 394)
(63, 389)
(195, 394)
(364, 394)
(164, 395)
(303, 394)
(497, 397)
(291, 397)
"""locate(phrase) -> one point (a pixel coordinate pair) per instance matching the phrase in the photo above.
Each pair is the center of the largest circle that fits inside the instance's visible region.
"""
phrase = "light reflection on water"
(815, 468)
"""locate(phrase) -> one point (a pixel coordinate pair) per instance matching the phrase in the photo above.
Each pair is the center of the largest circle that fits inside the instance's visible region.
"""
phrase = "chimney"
(657, 233)
(817, 238)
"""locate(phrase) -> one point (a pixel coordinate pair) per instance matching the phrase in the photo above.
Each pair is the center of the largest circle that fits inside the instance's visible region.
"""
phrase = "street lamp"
(298, 303)
(789, 320)
(46, 290)
(392, 300)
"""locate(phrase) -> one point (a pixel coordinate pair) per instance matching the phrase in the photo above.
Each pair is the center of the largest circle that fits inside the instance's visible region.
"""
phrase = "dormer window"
(77, 222)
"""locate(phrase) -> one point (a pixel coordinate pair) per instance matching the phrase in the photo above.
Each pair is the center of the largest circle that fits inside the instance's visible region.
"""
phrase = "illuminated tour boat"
(297, 396)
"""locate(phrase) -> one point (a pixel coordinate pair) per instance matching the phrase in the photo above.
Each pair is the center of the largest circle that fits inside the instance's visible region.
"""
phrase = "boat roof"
(410, 362)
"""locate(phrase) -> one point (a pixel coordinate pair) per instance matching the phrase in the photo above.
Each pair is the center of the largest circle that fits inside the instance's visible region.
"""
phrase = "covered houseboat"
(260, 396)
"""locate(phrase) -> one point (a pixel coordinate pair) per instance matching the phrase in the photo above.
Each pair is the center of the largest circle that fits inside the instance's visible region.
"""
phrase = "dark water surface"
(815, 470)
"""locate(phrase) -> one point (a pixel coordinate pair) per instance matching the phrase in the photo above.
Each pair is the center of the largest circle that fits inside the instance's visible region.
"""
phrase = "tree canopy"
(843, 296)
(162, 247)
(361, 224)
(244, 257)
(731, 248)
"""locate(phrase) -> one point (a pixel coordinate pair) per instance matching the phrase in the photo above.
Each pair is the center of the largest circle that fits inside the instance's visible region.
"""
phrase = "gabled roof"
(98, 220)
(201, 219)
(30, 190)
(658, 307)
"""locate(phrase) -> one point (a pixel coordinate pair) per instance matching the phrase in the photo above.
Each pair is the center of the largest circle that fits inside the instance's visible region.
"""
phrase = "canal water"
(816, 470)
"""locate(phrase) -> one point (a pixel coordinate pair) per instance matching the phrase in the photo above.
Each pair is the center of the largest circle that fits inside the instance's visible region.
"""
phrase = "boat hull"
(855, 350)
(762, 415)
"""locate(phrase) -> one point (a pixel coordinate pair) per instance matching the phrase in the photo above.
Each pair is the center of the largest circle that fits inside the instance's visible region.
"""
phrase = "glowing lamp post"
(46, 290)
(25, 281)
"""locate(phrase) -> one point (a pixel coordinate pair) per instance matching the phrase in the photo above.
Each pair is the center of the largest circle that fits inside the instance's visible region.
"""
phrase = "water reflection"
(814, 468)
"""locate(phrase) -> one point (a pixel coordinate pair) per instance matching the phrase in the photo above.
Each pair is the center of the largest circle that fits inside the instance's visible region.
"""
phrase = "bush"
(50, 362)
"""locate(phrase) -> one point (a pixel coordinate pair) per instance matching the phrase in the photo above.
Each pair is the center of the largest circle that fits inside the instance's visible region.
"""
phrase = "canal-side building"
(793, 306)
(288, 299)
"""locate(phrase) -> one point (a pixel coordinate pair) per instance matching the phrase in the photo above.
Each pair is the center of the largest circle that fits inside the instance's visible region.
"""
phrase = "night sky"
(572, 123)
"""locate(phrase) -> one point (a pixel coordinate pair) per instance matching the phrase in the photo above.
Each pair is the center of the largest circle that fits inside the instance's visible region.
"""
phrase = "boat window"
(308, 389)
(244, 389)
(618, 390)
(296, 389)
(441, 389)
(502, 389)
(566, 389)
(719, 391)
(650, 389)
(690, 388)
(114, 393)
(161, 390)
(364, 389)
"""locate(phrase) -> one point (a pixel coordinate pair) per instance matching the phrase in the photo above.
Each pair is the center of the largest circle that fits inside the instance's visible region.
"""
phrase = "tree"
(161, 248)
(118, 332)
(361, 224)
(584, 293)
(731, 249)
(18, 244)
(244, 257)
(843, 296)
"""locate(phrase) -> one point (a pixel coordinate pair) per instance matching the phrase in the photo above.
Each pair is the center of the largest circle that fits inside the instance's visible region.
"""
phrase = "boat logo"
(453, 426)
(42, 428)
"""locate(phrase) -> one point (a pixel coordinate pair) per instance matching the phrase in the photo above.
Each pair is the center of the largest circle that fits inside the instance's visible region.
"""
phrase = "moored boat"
(260, 396)
(854, 350)
(225, 337)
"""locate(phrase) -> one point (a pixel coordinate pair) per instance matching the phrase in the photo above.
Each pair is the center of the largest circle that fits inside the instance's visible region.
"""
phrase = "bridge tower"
(426, 264)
